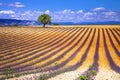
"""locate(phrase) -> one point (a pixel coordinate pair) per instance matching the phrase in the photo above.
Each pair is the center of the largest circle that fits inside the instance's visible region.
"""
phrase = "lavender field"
(62, 53)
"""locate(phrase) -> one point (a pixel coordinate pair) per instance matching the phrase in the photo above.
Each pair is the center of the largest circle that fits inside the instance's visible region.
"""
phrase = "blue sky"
(61, 10)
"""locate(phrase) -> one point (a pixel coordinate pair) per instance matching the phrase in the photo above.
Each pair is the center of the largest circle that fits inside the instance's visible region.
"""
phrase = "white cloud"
(72, 12)
(87, 14)
(27, 15)
(67, 11)
(110, 13)
(99, 9)
(7, 12)
(65, 15)
(80, 11)
(47, 11)
(15, 4)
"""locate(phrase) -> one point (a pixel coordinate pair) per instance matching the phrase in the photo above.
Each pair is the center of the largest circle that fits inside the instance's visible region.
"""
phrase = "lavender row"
(111, 62)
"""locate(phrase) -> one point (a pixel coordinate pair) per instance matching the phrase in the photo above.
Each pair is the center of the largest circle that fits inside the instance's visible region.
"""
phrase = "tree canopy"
(44, 19)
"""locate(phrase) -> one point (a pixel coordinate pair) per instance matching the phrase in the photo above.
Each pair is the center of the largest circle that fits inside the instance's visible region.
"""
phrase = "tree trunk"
(44, 25)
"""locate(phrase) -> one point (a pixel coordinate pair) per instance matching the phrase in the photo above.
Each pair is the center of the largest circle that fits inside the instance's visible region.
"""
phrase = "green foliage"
(91, 66)
(9, 72)
(43, 77)
(44, 19)
(93, 72)
(17, 75)
(56, 64)
(83, 77)
(25, 73)
(89, 74)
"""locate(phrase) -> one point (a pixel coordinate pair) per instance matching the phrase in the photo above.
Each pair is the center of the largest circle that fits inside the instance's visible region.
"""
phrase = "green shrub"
(92, 72)
(83, 77)
(89, 75)
(17, 75)
(9, 72)
(56, 64)
(91, 66)
(44, 77)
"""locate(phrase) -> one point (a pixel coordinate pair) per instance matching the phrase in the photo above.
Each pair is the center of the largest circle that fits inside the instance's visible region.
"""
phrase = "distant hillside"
(14, 22)
(89, 23)
(11, 22)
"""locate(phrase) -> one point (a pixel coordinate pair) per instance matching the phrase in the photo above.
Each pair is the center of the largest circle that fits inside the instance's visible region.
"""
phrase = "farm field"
(63, 52)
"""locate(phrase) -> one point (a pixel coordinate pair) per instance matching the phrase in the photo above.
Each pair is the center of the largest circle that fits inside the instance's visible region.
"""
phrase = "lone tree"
(44, 19)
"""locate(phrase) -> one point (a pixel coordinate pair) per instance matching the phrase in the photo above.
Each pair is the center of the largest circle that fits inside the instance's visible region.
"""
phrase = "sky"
(61, 10)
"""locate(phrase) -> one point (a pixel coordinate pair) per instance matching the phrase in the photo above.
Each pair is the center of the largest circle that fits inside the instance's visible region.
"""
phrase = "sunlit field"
(60, 52)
